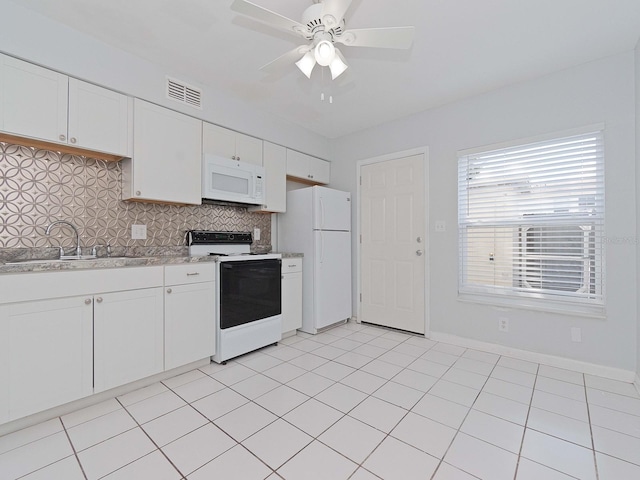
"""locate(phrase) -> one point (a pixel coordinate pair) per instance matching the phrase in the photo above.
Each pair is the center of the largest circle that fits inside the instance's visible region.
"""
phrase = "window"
(531, 221)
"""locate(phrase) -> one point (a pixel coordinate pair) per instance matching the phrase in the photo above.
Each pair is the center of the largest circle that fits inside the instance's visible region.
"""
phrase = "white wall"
(601, 91)
(637, 78)
(37, 39)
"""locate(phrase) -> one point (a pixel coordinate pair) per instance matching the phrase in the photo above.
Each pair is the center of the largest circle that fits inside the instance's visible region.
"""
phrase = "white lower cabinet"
(291, 294)
(128, 337)
(189, 314)
(46, 351)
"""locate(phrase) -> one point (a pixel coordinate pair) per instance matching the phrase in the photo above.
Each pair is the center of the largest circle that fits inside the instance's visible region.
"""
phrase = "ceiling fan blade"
(333, 11)
(270, 18)
(285, 60)
(386, 37)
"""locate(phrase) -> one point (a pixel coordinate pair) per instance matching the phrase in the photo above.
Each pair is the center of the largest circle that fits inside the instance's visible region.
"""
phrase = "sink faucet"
(73, 227)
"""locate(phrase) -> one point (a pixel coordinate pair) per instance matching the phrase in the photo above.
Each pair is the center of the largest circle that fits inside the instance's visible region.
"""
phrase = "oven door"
(250, 290)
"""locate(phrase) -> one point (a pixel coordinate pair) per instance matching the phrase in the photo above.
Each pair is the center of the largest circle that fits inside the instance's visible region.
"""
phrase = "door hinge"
(361, 180)
(360, 298)
(360, 238)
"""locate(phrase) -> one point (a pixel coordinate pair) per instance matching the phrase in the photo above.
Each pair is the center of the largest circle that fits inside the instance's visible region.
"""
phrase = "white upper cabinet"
(229, 144)
(33, 100)
(167, 157)
(99, 119)
(308, 169)
(275, 165)
(45, 105)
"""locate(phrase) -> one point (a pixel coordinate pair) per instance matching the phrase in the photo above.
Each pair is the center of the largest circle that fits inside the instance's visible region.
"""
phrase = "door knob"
(419, 253)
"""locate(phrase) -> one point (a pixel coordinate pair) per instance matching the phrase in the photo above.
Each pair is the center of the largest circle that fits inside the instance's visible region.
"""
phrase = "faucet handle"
(61, 252)
(94, 249)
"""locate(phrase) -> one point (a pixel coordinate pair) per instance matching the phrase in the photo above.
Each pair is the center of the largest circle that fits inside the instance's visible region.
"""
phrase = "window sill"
(590, 311)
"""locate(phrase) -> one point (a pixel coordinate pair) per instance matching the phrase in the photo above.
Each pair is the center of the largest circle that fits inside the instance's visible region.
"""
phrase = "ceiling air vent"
(183, 93)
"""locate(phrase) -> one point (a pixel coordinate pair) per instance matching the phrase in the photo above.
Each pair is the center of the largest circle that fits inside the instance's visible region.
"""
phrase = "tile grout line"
(458, 430)
(151, 439)
(526, 422)
(593, 443)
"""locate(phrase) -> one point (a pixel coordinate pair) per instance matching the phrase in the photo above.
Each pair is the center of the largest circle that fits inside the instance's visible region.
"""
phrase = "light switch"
(441, 226)
(138, 232)
(256, 234)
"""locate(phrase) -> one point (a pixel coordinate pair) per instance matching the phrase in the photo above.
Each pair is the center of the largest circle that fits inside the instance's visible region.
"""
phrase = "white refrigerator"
(317, 223)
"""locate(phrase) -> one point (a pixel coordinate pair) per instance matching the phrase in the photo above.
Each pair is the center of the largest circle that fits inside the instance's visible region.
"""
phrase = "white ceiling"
(462, 48)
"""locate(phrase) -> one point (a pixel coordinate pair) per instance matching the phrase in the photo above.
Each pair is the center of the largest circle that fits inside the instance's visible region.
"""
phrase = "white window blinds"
(531, 220)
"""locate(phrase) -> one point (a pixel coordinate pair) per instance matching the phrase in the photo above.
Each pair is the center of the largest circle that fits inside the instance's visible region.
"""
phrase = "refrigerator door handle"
(321, 214)
(321, 248)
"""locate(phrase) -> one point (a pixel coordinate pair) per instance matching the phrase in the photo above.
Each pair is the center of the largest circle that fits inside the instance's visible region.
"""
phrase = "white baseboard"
(545, 359)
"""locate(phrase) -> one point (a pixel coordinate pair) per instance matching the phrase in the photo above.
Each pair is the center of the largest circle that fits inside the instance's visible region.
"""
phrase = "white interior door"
(393, 243)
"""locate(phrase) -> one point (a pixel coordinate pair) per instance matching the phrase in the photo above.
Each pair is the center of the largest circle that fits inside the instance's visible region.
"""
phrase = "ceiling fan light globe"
(306, 63)
(337, 67)
(324, 53)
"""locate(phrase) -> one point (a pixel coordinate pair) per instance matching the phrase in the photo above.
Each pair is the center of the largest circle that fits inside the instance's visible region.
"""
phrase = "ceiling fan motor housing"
(312, 18)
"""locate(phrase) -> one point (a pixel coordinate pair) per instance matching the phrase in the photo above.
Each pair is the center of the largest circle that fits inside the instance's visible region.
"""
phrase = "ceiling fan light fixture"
(306, 63)
(325, 53)
(337, 65)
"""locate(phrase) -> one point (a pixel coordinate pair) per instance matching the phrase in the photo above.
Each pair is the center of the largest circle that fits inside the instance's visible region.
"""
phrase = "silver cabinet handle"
(73, 140)
(99, 299)
(62, 137)
(419, 253)
(87, 301)
(169, 290)
(138, 193)
(194, 274)
(419, 239)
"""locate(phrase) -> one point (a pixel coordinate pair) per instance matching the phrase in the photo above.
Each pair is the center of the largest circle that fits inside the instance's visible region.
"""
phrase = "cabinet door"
(291, 294)
(320, 171)
(248, 149)
(33, 100)
(167, 157)
(218, 141)
(298, 165)
(99, 118)
(128, 337)
(46, 355)
(189, 323)
(275, 165)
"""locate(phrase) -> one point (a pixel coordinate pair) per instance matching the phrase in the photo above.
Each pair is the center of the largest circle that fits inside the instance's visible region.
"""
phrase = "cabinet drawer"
(290, 265)
(189, 273)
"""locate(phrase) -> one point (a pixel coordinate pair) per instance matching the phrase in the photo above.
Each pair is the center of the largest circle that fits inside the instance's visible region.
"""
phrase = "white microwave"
(232, 181)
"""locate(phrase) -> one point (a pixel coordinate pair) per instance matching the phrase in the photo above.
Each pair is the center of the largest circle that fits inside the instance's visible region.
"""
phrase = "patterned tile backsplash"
(38, 187)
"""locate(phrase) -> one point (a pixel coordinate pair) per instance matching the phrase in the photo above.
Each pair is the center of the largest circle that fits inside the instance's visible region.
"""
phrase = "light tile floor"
(357, 402)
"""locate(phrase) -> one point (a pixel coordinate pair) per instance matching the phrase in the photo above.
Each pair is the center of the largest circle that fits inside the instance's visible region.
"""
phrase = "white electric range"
(248, 292)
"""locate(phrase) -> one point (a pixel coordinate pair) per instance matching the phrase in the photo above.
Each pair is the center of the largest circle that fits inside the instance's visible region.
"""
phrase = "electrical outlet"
(138, 232)
(441, 226)
(503, 324)
(576, 334)
(256, 234)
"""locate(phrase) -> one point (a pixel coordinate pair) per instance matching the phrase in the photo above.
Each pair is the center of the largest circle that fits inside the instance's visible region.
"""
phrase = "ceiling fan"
(323, 26)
